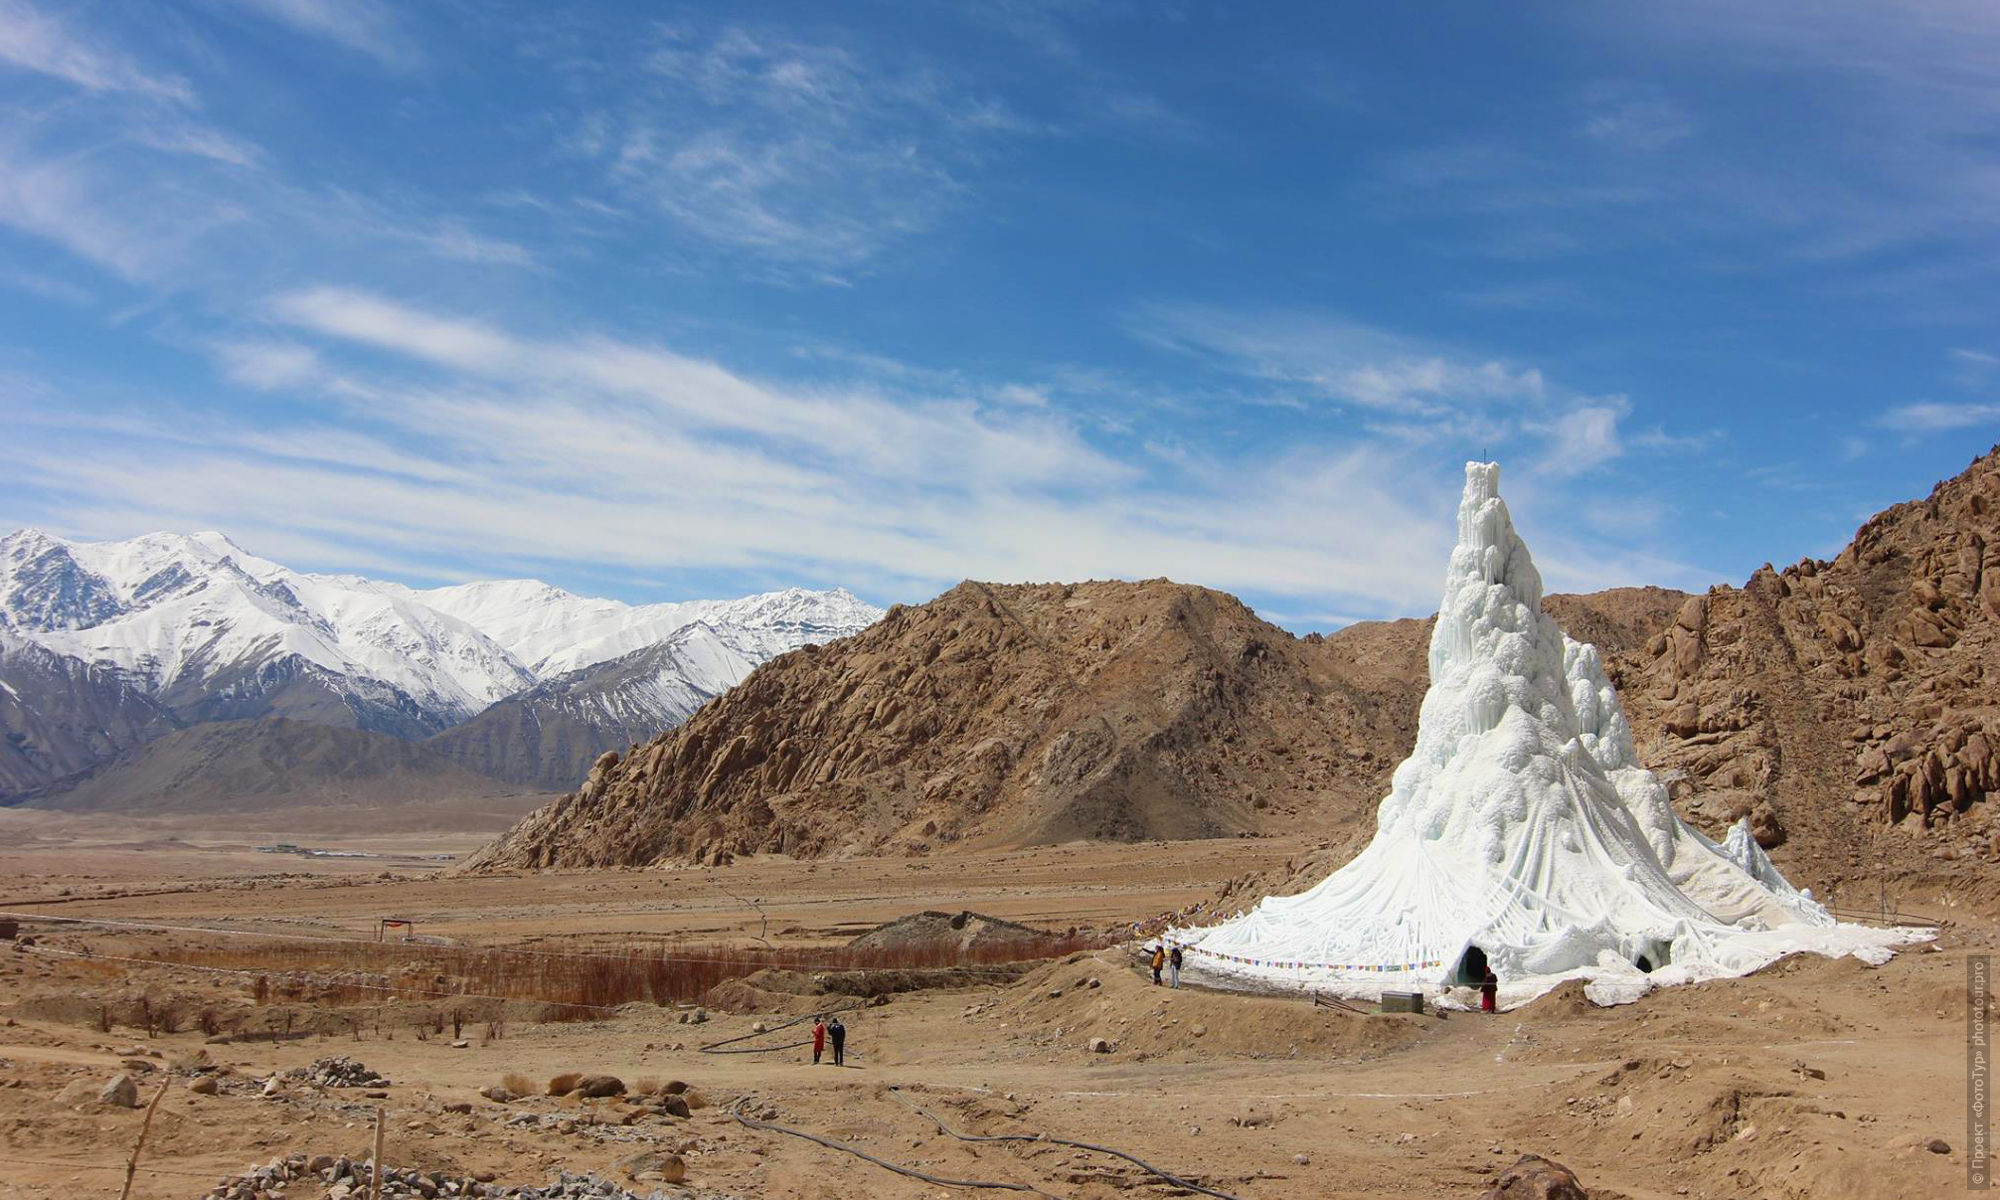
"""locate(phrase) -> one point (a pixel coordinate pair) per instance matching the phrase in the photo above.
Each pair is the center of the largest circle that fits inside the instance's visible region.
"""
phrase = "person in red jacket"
(819, 1038)
(1489, 991)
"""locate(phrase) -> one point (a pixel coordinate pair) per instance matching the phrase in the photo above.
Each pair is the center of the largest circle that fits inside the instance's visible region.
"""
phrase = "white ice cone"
(1521, 826)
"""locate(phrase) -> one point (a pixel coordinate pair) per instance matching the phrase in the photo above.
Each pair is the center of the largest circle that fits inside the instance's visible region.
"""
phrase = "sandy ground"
(1816, 1078)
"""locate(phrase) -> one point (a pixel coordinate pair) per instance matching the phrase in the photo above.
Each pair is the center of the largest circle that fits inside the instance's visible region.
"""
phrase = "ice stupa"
(1522, 833)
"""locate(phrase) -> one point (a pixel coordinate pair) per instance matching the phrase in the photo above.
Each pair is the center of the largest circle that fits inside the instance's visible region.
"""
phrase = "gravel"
(332, 1178)
(339, 1071)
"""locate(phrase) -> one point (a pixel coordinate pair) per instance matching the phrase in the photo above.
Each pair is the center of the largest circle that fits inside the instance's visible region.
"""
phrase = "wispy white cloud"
(373, 321)
(1972, 369)
(48, 287)
(32, 40)
(86, 205)
(366, 26)
(265, 365)
(1584, 437)
(1632, 118)
(813, 154)
(1332, 357)
(1930, 417)
(181, 136)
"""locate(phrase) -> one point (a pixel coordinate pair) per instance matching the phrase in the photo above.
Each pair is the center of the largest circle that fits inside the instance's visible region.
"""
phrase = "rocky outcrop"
(60, 715)
(1533, 1177)
(1834, 703)
(1008, 715)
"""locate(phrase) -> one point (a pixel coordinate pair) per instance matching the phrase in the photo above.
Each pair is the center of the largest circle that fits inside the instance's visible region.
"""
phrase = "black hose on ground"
(736, 1111)
(1046, 1139)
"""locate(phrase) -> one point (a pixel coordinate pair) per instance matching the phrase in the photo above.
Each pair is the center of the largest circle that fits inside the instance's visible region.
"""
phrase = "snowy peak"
(216, 632)
(553, 632)
(43, 586)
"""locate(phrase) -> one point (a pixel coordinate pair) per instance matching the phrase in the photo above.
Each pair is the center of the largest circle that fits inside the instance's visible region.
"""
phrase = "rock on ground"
(1533, 1177)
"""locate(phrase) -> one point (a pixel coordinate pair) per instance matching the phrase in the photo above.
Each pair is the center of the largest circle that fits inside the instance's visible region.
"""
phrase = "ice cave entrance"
(1471, 970)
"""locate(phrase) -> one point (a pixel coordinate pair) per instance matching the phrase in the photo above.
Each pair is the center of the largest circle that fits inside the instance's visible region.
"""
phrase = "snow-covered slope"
(60, 715)
(213, 632)
(549, 734)
(196, 618)
(552, 631)
(1522, 833)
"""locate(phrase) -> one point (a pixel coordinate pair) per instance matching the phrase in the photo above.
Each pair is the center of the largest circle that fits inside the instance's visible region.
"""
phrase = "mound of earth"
(969, 933)
(1106, 995)
(787, 992)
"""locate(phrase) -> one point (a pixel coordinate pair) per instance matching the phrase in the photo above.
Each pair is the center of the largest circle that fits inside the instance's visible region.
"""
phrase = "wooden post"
(145, 1126)
(375, 1189)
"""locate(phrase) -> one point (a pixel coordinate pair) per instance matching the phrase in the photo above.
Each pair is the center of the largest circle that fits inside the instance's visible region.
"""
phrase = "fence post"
(145, 1126)
(375, 1188)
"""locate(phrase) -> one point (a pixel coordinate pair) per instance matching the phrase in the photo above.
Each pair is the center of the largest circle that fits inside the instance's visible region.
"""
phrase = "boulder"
(1840, 631)
(599, 1087)
(655, 1166)
(1533, 1177)
(205, 1085)
(80, 1092)
(120, 1092)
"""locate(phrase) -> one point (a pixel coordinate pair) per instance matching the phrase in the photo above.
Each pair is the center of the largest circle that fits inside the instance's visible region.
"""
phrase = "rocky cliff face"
(1846, 706)
(59, 715)
(1008, 714)
(550, 734)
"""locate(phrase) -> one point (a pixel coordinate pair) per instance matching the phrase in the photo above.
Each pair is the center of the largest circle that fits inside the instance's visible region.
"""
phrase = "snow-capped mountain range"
(209, 631)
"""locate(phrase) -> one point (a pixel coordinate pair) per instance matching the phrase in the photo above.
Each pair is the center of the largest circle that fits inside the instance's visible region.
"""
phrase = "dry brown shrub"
(565, 1083)
(646, 1085)
(517, 1083)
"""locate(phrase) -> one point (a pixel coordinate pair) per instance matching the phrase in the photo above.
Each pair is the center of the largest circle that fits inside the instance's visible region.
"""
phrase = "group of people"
(1167, 956)
(825, 1031)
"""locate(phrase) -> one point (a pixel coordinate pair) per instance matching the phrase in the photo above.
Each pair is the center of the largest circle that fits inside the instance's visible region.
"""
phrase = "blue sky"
(656, 301)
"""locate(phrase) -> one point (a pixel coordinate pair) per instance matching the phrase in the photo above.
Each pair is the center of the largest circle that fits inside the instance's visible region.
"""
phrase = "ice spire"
(1521, 826)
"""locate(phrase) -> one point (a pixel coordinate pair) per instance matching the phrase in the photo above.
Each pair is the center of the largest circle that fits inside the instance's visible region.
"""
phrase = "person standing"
(1489, 992)
(1174, 965)
(1159, 961)
(838, 1032)
(819, 1037)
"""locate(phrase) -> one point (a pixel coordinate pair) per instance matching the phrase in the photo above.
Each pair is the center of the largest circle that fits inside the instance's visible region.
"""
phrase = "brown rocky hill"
(1847, 706)
(1010, 715)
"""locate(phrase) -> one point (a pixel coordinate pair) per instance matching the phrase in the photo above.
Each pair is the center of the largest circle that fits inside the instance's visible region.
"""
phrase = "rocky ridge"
(60, 715)
(1846, 706)
(1007, 715)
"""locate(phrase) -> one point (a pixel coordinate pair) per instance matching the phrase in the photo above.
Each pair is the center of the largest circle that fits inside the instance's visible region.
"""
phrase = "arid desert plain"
(1815, 1078)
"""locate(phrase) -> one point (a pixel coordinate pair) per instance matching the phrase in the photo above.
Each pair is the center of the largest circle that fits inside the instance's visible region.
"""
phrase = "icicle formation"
(1522, 825)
